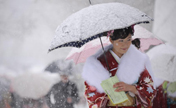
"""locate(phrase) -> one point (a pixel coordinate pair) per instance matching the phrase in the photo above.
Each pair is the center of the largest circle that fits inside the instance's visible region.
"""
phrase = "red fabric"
(93, 99)
(122, 107)
(144, 97)
(160, 101)
(147, 97)
(173, 106)
(111, 61)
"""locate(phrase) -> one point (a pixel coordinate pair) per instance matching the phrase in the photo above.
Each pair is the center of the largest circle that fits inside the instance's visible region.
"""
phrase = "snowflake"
(149, 89)
(147, 80)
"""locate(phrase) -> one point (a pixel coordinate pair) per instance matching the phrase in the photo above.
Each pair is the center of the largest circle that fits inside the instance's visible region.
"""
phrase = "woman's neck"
(117, 53)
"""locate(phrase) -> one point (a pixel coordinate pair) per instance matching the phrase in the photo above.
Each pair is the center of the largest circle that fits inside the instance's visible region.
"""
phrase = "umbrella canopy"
(84, 25)
(60, 66)
(146, 43)
(141, 32)
(34, 85)
(163, 61)
(80, 55)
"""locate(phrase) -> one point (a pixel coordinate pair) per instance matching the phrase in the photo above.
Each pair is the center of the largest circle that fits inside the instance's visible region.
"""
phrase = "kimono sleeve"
(145, 89)
(93, 97)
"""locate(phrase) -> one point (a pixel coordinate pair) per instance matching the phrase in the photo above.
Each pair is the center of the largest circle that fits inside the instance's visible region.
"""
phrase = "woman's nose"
(125, 42)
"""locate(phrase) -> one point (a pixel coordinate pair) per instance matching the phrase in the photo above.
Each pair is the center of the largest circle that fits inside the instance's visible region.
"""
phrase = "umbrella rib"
(78, 57)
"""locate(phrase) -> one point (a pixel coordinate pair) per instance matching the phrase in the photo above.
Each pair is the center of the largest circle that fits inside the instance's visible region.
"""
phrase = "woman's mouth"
(124, 49)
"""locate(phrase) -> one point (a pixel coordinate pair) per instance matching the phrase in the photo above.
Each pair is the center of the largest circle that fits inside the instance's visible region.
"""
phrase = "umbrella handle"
(105, 56)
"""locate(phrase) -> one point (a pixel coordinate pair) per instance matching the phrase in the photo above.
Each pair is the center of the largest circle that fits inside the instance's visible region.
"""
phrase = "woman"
(132, 68)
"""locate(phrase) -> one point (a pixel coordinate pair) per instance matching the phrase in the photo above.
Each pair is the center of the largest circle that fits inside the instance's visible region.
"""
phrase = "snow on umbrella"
(85, 25)
(33, 85)
(60, 66)
(80, 55)
(163, 61)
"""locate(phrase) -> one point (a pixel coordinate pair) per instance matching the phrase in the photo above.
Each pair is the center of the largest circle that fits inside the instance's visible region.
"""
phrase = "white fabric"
(132, 63)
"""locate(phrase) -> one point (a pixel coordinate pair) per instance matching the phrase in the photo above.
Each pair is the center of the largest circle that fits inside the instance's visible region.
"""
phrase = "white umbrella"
(163, 61)
(34, 85)
(84, 25)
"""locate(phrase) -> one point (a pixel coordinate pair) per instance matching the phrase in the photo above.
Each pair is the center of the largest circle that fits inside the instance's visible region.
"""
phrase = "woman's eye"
(129, 39)
(120, 40)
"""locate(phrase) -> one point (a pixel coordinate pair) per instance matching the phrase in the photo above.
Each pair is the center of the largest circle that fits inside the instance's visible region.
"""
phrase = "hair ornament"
(110, 33)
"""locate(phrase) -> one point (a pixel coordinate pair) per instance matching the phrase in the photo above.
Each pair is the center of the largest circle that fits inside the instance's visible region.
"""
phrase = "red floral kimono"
(160, 100)
(143, 82)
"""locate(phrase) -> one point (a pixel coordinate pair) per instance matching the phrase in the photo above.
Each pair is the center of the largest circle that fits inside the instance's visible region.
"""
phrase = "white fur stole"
(132, 63)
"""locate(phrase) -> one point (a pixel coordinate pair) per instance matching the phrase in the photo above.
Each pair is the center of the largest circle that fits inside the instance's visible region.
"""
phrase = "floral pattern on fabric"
(94, 98)
(146, 91)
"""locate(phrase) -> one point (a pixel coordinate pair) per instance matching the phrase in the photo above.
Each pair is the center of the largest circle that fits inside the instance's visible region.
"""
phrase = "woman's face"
(120, 46)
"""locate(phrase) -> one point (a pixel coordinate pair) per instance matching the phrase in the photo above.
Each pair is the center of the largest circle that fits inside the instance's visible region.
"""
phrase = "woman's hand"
(121, 86)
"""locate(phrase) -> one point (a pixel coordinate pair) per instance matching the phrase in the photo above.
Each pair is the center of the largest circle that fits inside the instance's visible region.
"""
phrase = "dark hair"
(136, 42)
(122, 33)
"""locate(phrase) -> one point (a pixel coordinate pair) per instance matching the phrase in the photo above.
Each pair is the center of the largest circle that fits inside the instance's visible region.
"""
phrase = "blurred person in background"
(5, 93)
(5, 100)
(64, 93)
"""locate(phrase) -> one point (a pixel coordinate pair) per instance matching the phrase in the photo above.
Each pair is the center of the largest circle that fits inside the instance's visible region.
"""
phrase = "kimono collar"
(115, 56)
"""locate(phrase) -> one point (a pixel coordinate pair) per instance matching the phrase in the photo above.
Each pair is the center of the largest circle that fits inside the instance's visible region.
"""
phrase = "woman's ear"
(110, 40)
